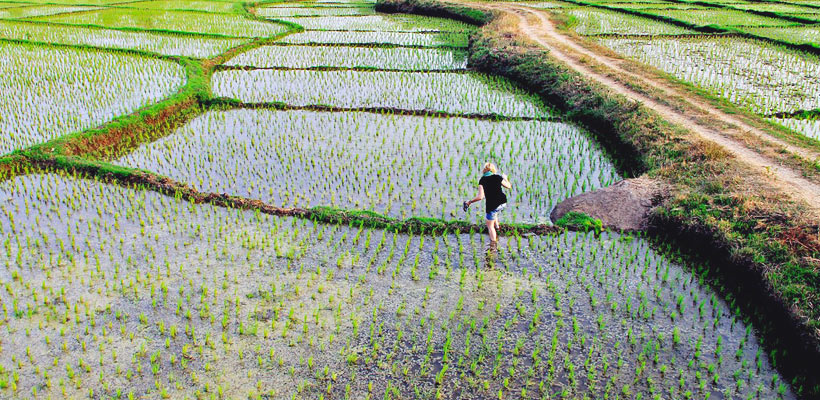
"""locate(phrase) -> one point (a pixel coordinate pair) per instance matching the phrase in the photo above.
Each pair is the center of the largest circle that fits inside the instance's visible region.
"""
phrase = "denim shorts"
(492, 214)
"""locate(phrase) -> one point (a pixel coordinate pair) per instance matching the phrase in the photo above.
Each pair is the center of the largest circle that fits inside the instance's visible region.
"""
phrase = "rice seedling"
(805, 127)
(175, 21)
(275, 155)
(324, 4)
(383, 23)
(722, 17)
(592, 21)
(345, 56)
(173, 45)
(449, 92)
(38, 10)
(73, 2)
(761, 77)
(59, 91)
(657, 6)
(378, 38)
(795, 8)
(187, 5)
(334, 334)
(11, 5)
(117, 292)
(796, 34)
(282, 12)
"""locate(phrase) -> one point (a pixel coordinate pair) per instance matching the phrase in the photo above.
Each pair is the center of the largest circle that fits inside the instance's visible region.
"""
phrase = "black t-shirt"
(492, 191)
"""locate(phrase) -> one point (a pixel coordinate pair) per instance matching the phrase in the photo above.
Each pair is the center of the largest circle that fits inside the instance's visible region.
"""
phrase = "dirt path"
(542, 31)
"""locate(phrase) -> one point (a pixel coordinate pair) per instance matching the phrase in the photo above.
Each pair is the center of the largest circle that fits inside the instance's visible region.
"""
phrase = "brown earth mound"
(623, 206)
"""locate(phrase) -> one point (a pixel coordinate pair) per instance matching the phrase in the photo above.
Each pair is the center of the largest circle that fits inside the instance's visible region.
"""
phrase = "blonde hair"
(489, 167)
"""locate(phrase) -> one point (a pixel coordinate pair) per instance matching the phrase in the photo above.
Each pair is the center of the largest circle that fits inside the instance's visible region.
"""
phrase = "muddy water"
(402, 166)
(113, 292)
(109, 289)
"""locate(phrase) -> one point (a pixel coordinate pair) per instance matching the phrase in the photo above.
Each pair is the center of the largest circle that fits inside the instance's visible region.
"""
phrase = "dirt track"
(538, 27)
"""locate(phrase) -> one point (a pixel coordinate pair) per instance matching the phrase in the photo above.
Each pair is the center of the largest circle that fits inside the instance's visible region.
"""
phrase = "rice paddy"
(36, 11)
(763, 78)
(60, 91)
(767, 76)
(589, 21)
(189, 5)
(722, 17)
(165, 44)
(369, 161)
(117, 291)
(381, 23)
(343, 56)
(174, 21)
(440, 91)
(378, 38)
(129, 293)
(281, 12)
(798, 35)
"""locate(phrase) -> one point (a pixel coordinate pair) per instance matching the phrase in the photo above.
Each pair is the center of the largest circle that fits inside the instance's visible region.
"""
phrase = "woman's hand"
(504, 182)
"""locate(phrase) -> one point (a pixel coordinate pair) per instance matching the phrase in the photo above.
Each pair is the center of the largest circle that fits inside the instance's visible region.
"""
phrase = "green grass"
(580, 220)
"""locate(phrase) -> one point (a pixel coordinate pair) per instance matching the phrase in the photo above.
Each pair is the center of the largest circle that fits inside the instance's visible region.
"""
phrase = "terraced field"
(760, 56)
(164, 258)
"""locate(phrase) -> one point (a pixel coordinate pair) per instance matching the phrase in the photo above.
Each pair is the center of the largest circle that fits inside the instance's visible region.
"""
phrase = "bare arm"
(505, 183)
(478, 197)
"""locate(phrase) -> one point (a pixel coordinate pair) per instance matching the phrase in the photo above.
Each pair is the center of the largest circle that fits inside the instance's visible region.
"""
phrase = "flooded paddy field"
(755, 55)
(117, 291)
(134, 293)
(276, 155)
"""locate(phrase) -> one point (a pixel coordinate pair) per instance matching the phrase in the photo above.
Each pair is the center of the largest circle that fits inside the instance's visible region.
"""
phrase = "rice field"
(120, 292)
(381, 23)
(133, 294)
(798, 35)
(723, 17)
(368, 161)
(763, 78)
(806, 127)
(767, 76)
(37, 11)
(165, 44)
(174, 21)
(190, 5)
(282, 12)
(590, 21)
(60, 91)
(378, 38)
(466, 93)
(344, 56)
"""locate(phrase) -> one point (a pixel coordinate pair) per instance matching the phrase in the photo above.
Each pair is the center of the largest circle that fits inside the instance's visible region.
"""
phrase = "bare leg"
(491, 230)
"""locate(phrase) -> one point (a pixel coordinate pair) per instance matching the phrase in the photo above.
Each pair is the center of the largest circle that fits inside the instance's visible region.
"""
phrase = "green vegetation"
(709, 204)
(239, 277)
(306, 144)
(157, 43)
(62, 90)
(177, 22)
(156, 296)
(580, 221)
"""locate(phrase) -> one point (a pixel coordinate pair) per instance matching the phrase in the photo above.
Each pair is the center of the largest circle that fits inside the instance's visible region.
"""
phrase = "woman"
(489, 187)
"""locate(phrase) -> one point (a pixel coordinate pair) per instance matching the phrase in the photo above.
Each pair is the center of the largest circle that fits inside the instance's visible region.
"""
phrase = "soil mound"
(623, 206)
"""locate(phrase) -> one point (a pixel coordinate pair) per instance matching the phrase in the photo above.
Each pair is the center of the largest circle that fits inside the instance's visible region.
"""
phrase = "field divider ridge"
(221, 103)
(141, 179)
(335, 68)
